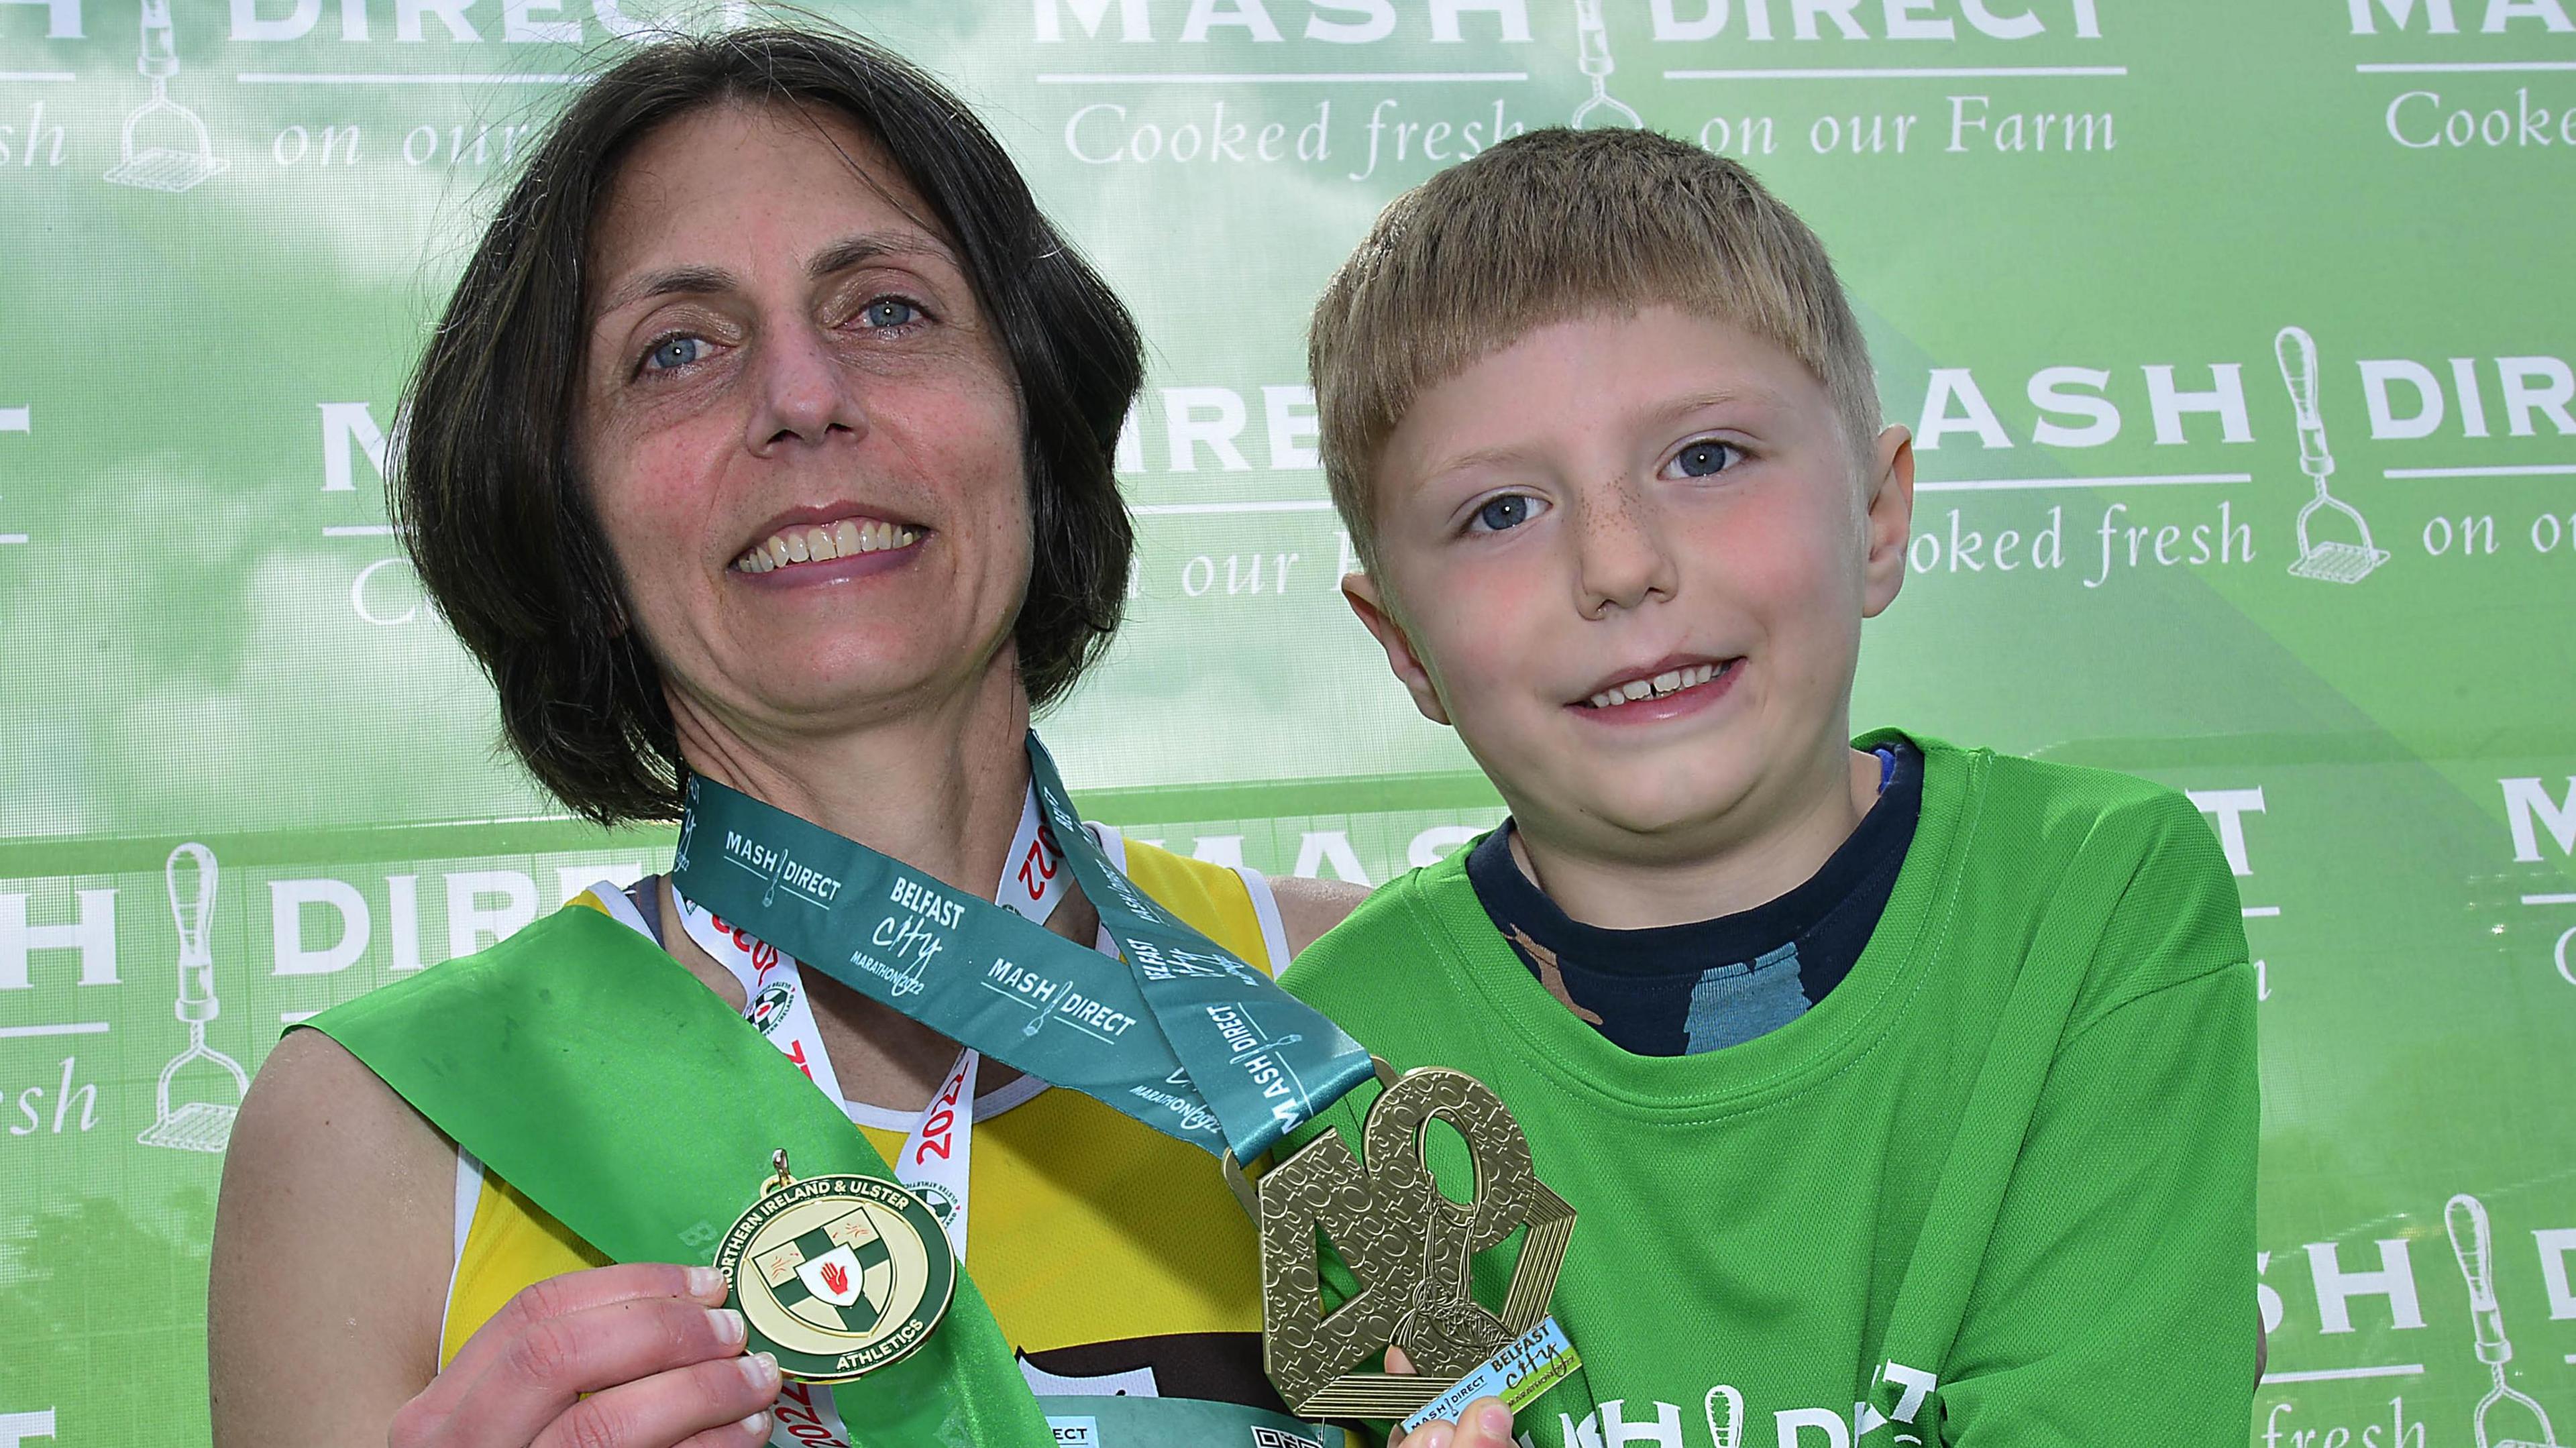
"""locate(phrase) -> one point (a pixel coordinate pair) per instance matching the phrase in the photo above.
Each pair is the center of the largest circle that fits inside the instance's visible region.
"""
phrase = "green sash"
(592, 1072)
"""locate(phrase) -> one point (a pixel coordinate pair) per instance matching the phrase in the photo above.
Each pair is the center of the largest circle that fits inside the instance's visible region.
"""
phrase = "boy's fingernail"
(757, 1424)
(761, 1371)
(728, 1326)
(1494, 1418)
(705, 1282)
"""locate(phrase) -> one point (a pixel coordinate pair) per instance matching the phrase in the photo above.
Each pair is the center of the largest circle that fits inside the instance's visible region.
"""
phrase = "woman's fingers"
(538, 1374)
(710, 1404)
(564, 1295)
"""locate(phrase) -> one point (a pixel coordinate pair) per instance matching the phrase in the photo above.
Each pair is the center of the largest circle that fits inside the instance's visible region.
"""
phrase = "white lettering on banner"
(2401, 13)
(92, 932)
(2421, 120)
(2555, 1243)
(2527, 805)
(31, 1103)
(1131, 21)
(2264, 1297)
(1101, 135)
(2047, 392)
(2441, 19)
(1436, 137)
(1290, 411)
(1226, 850)
(2395, 1280)
(1185, 428)
(1328, 847)
(2163, 545)
(1688, 21)
(17, 1428)
(2226, 398)
(347, 427)
(287, 899)
(2229, 807)
(2076, 130)
(468, 919)
(62, 22)
(523, 22)
(1957, 385)
(402, 904)
(24, 147)
(2401, 1434)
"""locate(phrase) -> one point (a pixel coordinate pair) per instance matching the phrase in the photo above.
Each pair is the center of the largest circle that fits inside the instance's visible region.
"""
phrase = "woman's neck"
(939, 788)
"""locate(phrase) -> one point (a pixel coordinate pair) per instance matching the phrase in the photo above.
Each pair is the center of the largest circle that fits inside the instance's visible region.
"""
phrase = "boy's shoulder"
(1401, 923)
(2131, 862)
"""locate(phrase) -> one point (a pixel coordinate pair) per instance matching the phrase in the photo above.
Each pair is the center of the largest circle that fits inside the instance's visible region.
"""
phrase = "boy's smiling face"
(1660, 504)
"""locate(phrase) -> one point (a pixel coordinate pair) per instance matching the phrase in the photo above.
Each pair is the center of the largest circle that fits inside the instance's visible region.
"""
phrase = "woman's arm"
(333, 1245)
(1308, 908)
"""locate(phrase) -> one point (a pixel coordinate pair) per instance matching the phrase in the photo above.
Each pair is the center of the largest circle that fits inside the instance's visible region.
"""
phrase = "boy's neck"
(1754, 865)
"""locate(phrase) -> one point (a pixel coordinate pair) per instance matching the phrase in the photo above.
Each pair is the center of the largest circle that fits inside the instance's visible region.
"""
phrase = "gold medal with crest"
(837, 1276)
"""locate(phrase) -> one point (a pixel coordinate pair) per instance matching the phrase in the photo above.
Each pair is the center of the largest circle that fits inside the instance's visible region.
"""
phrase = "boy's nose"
(1623, 557)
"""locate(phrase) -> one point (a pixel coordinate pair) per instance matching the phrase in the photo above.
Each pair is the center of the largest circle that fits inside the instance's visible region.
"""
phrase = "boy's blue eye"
(1706, 458)
(1508, 511)
(673, 352)
(889, 312)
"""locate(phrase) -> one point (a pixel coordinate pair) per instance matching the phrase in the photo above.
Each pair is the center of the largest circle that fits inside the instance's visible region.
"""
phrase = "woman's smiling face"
(798, 429)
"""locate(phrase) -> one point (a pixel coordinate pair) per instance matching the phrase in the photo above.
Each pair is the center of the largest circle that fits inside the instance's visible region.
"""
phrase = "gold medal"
(837, 1276)
(1406, 1242)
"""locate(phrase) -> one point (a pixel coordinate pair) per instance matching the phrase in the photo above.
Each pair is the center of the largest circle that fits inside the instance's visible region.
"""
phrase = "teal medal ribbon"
(1180, 1033)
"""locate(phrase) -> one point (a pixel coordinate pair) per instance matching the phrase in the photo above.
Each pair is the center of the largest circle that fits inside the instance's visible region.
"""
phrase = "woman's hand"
(334, 1245)
(637, 1355)
(1485, 1423)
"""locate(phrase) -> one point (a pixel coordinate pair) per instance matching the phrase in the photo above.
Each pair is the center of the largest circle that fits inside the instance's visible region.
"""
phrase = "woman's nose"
(802, 392)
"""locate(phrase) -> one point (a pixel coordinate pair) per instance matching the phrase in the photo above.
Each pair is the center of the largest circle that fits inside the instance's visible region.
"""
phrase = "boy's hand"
(1486, 1423)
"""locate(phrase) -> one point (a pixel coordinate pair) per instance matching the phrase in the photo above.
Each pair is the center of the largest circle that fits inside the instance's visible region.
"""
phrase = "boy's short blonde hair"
(1547, 226)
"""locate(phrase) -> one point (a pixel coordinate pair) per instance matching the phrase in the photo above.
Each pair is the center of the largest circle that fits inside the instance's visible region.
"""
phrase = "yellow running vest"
(1106, 1250)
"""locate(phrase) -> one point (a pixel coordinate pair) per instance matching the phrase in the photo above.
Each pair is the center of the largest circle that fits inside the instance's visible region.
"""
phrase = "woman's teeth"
(1671, 681)
(821, 545)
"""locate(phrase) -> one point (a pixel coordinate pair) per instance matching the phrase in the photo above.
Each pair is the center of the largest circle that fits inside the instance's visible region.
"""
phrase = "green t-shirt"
(1996, 1189)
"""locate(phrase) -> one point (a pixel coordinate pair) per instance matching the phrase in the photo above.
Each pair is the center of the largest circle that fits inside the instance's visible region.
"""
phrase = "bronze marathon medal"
(1409, 1246)
(837, 1276)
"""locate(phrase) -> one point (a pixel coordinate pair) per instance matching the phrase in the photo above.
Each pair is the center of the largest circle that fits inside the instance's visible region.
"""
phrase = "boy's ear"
(1890, 520)
(1371, 605)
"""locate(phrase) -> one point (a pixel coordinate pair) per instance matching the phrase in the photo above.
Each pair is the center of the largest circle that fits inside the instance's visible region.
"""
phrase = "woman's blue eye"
(1508, 511)
(1706, 459)
(673, 352)
(889, 312)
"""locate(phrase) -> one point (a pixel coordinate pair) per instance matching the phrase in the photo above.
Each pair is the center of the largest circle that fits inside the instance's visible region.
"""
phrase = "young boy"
(1906, 1092)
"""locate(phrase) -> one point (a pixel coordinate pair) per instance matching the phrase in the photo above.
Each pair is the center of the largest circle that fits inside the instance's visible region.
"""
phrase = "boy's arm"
(2115, 1301)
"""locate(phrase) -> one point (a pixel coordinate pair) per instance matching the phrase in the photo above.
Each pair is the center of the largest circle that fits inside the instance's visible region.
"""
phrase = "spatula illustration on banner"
(2503, 1408)
(2333, 561)
(197, 1125)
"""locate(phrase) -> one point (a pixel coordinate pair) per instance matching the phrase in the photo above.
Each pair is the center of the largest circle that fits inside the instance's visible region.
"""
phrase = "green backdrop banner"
(2095, 243)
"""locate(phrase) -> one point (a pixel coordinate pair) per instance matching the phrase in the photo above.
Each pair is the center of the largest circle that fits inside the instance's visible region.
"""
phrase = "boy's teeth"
(1671, 681)
(844, 539)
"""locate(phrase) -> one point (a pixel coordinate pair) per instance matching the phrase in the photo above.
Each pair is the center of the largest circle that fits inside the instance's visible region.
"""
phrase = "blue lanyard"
(1179, 1033)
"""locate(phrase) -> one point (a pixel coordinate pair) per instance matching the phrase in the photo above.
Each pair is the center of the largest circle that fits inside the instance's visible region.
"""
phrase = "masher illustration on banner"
(163, 167)
(2333, 561)
(1592, 37)
(198, 1125)
(2506, 1418)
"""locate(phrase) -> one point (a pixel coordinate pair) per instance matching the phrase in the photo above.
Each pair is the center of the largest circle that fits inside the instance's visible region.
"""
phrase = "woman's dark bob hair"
(489, 491)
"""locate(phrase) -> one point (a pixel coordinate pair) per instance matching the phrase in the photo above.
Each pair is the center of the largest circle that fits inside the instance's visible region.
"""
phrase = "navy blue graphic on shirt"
(1677, 990)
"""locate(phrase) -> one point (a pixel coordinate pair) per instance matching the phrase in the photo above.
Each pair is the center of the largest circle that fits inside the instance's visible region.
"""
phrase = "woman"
(766, 441)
